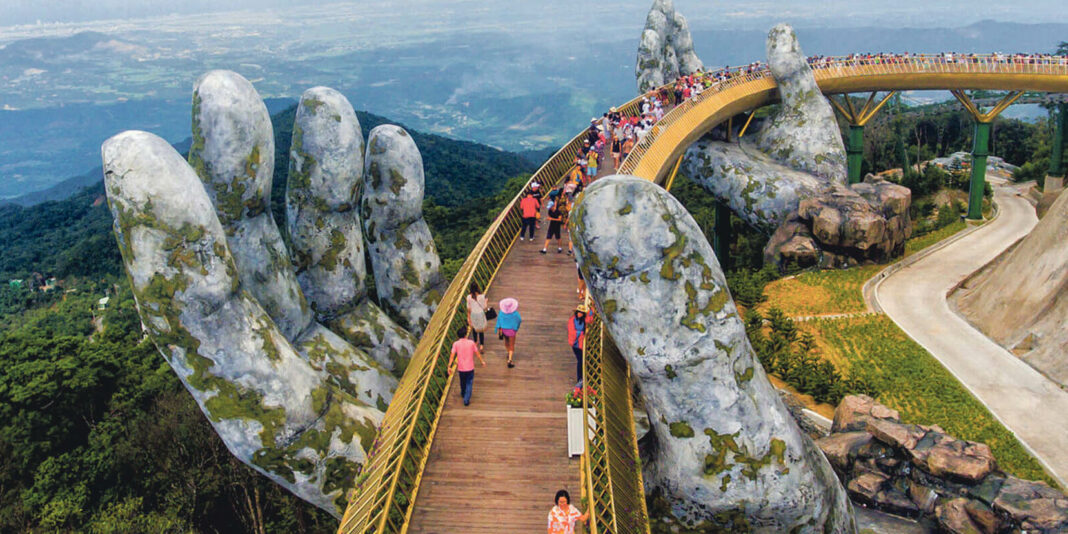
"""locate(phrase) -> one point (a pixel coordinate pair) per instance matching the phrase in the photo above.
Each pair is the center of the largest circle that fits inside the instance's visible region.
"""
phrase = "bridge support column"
(722, 236)
(980, 150)
(857, 119)
(981, 146)
(1055, 177)
(855, 151)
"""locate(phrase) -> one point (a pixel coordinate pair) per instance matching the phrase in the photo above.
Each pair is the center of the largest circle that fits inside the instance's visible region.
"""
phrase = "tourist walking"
(563, 516)
(528, 208)
(476, 315)
(556, 219)
(576, 336)
(464, 352)
(507, 326)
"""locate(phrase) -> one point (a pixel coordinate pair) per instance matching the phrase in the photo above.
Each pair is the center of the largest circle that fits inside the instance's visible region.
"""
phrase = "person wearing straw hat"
(576, 336)
(507, 326)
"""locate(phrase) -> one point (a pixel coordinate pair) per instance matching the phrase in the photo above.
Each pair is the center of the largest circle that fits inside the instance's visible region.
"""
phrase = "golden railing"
(386, 488)
(612, 472)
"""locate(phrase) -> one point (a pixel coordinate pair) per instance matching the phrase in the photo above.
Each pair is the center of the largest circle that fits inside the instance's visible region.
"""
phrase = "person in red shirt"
(528, 208)
(463, 353)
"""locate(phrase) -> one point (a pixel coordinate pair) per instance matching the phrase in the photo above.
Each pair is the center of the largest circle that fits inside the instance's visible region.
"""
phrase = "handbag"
(488, 313)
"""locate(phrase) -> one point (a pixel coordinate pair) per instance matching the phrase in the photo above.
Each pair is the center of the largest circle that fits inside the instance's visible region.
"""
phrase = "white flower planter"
(576, 445)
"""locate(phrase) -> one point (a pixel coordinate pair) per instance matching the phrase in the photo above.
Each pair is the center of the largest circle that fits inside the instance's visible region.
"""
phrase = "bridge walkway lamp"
(981, 146)
(857, 119)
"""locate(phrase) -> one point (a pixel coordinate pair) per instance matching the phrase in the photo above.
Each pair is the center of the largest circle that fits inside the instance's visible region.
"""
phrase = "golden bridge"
(438, 466)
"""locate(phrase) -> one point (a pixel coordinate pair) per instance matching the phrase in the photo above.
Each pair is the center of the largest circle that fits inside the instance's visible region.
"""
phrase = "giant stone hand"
(242, 319)
(791, 181)
(727, 456)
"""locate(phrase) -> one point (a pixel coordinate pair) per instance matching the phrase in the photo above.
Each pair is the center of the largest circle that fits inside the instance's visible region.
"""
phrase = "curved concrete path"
(914, 297)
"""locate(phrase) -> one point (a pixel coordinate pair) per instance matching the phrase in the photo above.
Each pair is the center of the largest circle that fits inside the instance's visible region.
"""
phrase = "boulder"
(866, 485)
(725, 445)
(953, 517)
(403, 255)
(854, 412)
(1033, 505)
(841, 449)
(922, 496)
(666, 48)
(961, 460)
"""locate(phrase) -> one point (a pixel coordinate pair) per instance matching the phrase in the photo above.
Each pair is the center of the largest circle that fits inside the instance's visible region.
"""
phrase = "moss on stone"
(680, 429)
(396, 181)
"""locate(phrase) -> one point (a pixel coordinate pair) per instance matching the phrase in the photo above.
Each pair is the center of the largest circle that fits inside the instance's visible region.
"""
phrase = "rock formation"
(1021, 299)
(726, 453)
(666, 48)
(918, 470)
(405, 260)
(790, 182)
(224, 303)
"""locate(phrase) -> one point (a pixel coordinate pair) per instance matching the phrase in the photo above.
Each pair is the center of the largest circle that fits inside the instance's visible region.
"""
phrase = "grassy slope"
(873, 348)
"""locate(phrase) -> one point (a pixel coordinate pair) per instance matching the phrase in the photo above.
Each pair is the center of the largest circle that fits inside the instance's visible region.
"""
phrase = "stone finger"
(233, 153)
(324, 189)
(287, 419)
(403, 255)
(804, 133)
(725, 445)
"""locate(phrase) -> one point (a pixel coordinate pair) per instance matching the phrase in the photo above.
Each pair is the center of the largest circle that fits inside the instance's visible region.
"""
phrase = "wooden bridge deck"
(495, 465)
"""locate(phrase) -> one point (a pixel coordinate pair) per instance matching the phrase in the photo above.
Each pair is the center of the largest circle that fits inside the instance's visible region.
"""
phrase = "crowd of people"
(943, 58)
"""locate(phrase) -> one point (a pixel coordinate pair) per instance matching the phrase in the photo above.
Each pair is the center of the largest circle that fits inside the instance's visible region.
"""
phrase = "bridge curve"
(658, 151)
(386, 491)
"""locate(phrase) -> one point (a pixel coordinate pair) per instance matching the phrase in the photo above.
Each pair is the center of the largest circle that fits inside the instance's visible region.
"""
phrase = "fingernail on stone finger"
(233, 153)
(723, 436)
(403, 255)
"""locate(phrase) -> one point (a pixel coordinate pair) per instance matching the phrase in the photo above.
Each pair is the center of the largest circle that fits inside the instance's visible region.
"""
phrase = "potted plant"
(573, 400)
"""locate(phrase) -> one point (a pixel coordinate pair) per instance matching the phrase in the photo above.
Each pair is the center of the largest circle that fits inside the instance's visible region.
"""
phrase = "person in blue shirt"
(508, 321)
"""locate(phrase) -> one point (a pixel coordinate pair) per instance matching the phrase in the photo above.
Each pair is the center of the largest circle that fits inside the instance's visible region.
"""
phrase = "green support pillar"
(721, 237)
(855, 152)
(980, 150)
(1056, 158)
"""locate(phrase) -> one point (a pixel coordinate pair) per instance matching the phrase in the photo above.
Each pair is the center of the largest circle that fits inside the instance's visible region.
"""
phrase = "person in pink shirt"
(463, 353)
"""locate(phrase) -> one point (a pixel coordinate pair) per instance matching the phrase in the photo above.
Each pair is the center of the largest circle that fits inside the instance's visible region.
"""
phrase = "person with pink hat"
(508, 321)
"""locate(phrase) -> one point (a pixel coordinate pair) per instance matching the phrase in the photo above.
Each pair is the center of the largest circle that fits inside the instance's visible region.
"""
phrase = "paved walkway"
(1023, 400)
